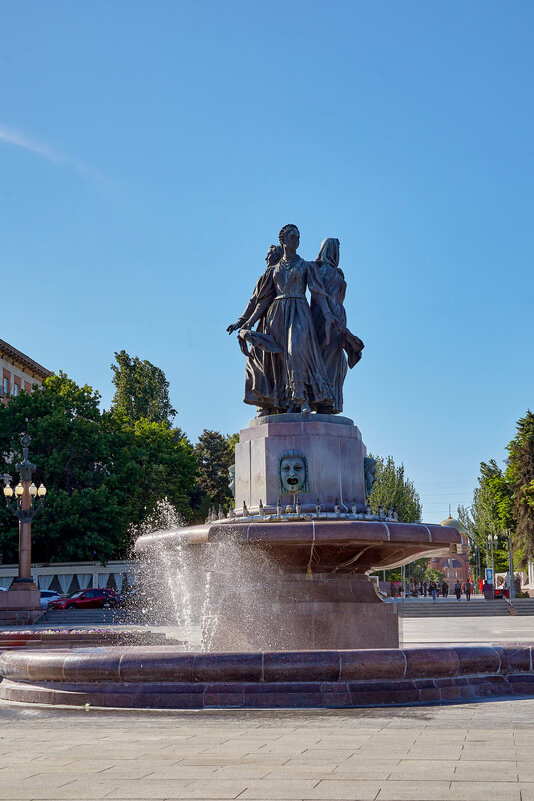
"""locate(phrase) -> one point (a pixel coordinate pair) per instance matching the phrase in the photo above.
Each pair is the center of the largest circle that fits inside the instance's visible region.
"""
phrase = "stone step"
(86, 617)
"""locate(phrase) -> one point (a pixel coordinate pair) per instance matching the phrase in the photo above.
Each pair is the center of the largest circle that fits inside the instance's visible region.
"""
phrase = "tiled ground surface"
(467, 630)
(473, 752)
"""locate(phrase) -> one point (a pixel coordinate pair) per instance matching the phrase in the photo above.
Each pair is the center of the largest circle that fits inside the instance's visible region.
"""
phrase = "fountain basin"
(163, 678)
(320, 545)
(311, 589)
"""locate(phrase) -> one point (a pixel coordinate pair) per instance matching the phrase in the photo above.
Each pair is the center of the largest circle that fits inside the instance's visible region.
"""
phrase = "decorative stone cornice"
(15, 356)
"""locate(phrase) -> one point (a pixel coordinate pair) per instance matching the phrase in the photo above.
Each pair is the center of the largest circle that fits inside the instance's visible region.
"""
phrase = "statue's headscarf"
(329, 253)
(277, 251)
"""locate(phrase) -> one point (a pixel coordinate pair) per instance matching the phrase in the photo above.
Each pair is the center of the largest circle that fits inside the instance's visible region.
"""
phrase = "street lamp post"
(492, 539)
(473, 549)
(24, 507)
(511, 583)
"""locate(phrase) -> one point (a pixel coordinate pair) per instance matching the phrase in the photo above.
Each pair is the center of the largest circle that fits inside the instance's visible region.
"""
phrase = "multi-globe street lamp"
(25, 501)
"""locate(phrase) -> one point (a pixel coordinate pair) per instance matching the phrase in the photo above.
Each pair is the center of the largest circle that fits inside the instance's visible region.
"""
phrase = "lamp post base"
(23, 584)
(21, 604)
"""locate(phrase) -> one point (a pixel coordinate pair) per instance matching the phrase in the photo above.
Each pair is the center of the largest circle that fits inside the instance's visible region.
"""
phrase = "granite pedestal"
(333, 449)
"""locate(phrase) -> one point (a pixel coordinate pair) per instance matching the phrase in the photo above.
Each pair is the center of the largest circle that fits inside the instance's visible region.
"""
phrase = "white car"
(47, 596)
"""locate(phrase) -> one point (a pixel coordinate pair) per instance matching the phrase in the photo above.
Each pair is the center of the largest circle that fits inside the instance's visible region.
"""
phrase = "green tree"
(232, 440)
(487, 516)
(167, 468)
(518, 511)
(141, 391)
(215, 454)
(73, 452)
(100, 475)
(504, 501)
(392, 488)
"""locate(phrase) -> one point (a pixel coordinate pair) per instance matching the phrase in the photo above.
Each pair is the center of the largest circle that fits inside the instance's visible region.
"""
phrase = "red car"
(86, 599)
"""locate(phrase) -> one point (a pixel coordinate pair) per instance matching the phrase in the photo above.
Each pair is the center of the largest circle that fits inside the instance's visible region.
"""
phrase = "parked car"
(125, 599)
(86, 599)
(47, 596)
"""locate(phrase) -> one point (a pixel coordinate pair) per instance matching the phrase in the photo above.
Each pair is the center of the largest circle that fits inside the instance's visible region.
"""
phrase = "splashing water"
(211, 590)
(164, 592)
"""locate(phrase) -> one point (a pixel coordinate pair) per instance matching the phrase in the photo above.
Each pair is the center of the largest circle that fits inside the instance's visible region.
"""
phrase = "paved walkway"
(467, 630)
(474, 752)
(469, 752)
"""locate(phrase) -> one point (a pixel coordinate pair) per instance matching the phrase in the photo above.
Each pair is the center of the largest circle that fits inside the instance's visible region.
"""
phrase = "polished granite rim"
(162, 677)
(383, 544)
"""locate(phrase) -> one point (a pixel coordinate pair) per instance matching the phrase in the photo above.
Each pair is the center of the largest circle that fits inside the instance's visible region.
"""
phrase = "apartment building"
(18, 372)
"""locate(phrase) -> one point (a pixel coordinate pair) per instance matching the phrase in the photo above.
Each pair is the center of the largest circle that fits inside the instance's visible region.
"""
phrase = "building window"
(6, 385)
(16, 390)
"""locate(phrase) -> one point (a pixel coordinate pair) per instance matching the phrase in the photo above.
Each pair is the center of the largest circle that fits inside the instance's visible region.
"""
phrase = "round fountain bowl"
(320, 545)
(296, 584)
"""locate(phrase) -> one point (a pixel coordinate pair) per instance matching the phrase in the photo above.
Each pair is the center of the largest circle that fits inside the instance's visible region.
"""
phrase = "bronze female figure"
(292, 366)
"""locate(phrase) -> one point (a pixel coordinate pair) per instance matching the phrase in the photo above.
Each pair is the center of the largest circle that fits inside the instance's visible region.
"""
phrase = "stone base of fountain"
(299, 584)
(163, 678)
(318, 612)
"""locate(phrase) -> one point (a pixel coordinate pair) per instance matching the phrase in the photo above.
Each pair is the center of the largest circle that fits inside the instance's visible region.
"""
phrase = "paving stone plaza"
(266, 402)
(473, 752)
(466, 752)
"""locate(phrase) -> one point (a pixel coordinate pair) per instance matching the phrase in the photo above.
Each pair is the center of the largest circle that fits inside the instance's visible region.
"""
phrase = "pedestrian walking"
(445, 589)
(467, 590)
(433, 587)
(458, 590)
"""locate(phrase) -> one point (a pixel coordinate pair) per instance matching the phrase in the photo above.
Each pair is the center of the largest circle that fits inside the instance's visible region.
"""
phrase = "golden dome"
(453, 523)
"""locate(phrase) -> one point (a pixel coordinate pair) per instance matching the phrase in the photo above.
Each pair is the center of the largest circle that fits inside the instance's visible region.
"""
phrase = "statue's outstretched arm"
(251, 305)
(262, 301)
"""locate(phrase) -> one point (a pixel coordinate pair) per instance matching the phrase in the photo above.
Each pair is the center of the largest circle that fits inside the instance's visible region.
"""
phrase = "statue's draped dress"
(257, 386)
(333, 354)
(297, 374)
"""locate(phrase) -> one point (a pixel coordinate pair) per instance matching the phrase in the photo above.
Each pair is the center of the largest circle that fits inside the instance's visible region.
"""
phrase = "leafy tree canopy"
(167, 468)
(483, 518)
(141, 391)
(519, 476)
(504, 501)
(392, 488)
(232, 440)
(215, 454)
(100, 475)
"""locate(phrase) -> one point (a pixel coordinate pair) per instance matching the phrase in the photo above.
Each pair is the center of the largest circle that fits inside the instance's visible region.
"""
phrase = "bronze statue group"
(297, 351)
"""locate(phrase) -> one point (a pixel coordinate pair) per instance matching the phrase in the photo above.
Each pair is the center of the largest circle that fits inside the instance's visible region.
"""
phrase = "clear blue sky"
(151, 151)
